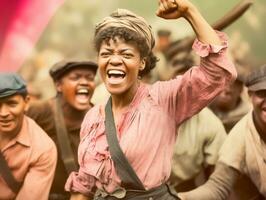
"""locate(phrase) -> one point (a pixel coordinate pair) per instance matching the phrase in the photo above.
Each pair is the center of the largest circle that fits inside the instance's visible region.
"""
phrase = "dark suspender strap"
(123, 168)
(8, 176)
(65, 149)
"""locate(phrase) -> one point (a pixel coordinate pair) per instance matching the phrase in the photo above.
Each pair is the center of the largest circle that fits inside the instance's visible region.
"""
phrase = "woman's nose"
(115, 60)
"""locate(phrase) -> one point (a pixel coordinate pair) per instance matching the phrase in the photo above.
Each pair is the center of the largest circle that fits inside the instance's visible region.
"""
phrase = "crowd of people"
(190, 128)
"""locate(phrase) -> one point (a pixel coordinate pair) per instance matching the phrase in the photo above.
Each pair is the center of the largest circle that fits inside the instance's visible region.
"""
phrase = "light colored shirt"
(198, 142)
(245, 151)
(147, 129)
(31, 156)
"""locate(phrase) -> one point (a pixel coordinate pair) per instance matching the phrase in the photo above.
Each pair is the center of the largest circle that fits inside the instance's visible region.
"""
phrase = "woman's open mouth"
(115, 76)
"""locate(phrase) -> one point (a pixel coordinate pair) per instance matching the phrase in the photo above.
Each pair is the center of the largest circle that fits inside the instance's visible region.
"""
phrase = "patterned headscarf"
(129, 20)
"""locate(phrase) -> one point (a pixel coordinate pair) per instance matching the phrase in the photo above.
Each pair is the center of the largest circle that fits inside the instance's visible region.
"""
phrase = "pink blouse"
(147, 130)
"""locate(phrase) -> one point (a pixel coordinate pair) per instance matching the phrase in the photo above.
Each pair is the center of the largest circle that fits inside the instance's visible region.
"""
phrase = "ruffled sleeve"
(203, 49)
(80, 182)
(186, 95)
(93, 155)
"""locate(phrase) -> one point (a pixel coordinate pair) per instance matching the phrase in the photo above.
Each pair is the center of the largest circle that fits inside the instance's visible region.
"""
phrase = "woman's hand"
(174, 9)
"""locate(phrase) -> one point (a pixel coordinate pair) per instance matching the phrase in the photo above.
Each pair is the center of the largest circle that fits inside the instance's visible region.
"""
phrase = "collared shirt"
(31, 156)
(245, 151)
(198, 142)
(147, 129)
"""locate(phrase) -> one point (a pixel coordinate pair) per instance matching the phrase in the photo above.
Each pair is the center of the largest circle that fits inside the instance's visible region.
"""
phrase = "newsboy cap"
(59, 69)
(257, 79)
(163, 32)
(10, 84)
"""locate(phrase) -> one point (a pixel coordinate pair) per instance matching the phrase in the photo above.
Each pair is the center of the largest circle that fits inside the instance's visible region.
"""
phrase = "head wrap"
(129, 20)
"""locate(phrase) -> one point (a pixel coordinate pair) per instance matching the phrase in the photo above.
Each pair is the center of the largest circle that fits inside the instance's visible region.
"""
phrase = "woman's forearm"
(202, 29)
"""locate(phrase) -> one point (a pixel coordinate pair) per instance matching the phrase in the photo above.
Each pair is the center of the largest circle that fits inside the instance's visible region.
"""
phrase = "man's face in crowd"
(12, 110)
(77, 87)
(258, 99)
(229, 97)
(164, 42)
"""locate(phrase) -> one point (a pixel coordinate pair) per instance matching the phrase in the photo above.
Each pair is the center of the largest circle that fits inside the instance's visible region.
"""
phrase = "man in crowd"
(61, 117)
(28, 156)
(243, 152)
(198, 142)
(230, 105)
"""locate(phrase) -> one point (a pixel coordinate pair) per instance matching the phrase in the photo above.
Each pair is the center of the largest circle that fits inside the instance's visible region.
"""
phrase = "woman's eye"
(127, 55)
(104, 54)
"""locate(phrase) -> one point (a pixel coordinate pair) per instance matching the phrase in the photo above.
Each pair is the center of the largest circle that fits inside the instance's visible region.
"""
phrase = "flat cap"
(257, 79)
(59, 69)
(164, 32)
(10, 84)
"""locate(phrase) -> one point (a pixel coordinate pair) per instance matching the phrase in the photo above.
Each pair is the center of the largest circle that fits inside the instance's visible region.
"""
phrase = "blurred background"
(69, 33)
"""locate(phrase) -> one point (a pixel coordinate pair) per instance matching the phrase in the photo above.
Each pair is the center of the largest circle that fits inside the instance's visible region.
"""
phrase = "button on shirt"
(147, 130)
(31, 156)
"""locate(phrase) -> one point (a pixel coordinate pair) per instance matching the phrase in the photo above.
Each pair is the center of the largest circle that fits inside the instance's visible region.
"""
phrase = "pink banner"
(21, 24)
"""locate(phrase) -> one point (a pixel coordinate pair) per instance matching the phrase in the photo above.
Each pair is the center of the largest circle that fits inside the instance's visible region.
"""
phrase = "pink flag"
(21, 24)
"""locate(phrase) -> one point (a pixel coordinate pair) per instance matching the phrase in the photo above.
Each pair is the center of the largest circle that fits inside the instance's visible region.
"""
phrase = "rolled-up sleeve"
(186, 95)
(80, 182)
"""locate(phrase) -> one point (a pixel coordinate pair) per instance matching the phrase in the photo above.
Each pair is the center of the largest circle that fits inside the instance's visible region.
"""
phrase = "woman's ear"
(142, 64)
